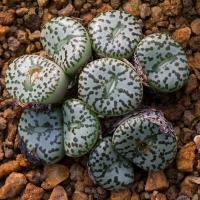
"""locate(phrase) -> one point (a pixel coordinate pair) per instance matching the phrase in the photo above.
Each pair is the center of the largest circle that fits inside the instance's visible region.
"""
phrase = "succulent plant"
(109, 169)
(115, 34)
(68, 42)
(147, 140)
(32, 78)
(81, 127)
(42, 135)
(164, 62)
(110, 87)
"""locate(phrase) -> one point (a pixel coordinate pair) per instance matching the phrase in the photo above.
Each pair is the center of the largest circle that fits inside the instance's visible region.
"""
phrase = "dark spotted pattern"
(67, 41)
(115, 34)
(142, 141)
(164, 62)
(32, 78)
(81, 128)
(110, 87)
(110, 169)
(42, 134)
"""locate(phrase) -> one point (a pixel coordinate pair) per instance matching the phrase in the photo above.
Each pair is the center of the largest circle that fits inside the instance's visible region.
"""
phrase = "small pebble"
(194, 43)
(23, 161)
(3, 123)
(115, 4)
(191, 84)
(156, 13)
(173, 112)
(32, 192)
(135, 196)
(132, 7)
(197, 109)
(121, 194)
(7, 17)
(79, 196)
(195, 26)
(42, 3)
(76, 172)
(156, 181)
(58, 193)
(22, 11)
(9, 167)
(171, 8)
(14, 184)
(54, 174)
(158, 196)
(197, 6)
(3, 31)
(188, 188)
(67, 11)
(182, 36)
(172, 192)
(13, 44)
(186, 157)
(35, 176)
(186, 135)
(145, 10)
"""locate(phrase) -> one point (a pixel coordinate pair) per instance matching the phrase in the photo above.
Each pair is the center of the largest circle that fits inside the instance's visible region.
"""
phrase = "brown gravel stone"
(3, 123)
(79, 4)
(9, 167)
(32, 192)
(67, 11)
(24, 162)
(195, 43)
(172, 192)
(197, 142)
(145, 10)
(188, 188)
(121, 194)
(13, 44)
(22, 11)
(197, 6)
(79, 196)
(132, 7)
(54, 174)
(3, 31)
(191, 84)
(115, 4)
(9, 113)
(35, 176)
(135, 196)
(173, 112)
(22, 37)
(156, 13)
(42, 3)
(158, 196)
(171, 8)
(87, 18)
(194, 61)
(12, 129)
(186, 157)
(197, 109)
(195, 26)
(7, 17)
(105, 7)
(76, 172)
(58, 193)
(182, 36)
(186, 135)
(14, 184)
(156, 181)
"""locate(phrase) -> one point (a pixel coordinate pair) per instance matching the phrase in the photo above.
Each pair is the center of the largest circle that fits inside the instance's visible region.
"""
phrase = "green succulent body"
(110, 87)
(115, 34)
(43, 134)
(110, 169)
(143, 142)
(67, 41)
(81, 127)
(32, 78)
(164, 62)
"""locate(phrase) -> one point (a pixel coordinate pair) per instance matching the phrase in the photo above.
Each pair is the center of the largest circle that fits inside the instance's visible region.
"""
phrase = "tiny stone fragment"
(194, 43)
(197, 109)
(197, 142)
(42, 3)
(9, 167)
(188, 188)
(145, 11)
(192, 84)
(79, 196)
(158, 196)
(67, 11)
(32, 192)
(3, 31)
(58, 193)
(55, 174)
(115, 3)
(132, 7)
(186, 157)
(14, 184)
(23, 161)
(22, 11)
(3, 123)
(121, 194)
(76, 172)
(182, 36)
(13, 44)
(186, 135)
(171, 8)
(7, 17)
(35, 176)
(195, 26)
(156, 181)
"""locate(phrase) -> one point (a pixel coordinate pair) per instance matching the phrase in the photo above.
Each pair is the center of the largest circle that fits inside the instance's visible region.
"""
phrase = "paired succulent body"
(106, 87)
